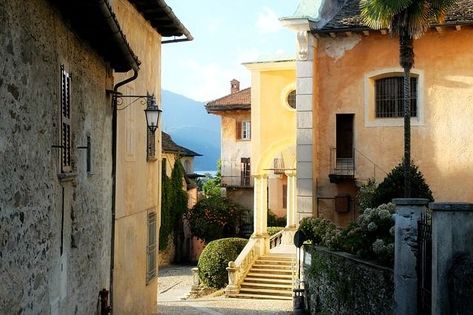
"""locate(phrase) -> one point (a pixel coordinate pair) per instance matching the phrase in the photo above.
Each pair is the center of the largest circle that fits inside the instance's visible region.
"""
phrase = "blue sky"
(226, 34)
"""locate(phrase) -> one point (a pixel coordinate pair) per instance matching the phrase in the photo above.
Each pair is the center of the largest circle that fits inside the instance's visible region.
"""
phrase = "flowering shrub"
(371, 235)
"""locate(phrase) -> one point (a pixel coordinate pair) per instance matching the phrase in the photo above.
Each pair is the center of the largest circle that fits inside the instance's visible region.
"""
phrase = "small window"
(151, 248)
(243, 130)
(389, 97)
(66, 165)
(291, 99)
(245, 172)
(150, 145)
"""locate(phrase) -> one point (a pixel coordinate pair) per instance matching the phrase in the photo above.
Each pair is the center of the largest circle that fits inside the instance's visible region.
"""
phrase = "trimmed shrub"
(215, 258)
(393, 186)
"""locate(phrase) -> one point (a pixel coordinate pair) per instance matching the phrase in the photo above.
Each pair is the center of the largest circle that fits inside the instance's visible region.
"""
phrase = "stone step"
(254, 279)
(269, 275)
(267, 266)
(277, 257)
(270, 270)
(273, 262)
(276, 292)
(270, 286)
(261, 296)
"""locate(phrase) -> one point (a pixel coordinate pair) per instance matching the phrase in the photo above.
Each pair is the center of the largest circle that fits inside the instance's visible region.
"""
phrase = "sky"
(226, 34)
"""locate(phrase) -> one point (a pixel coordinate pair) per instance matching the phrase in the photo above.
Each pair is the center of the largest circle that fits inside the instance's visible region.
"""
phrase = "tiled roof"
(349, 16)
(169, 146)
(240, 100)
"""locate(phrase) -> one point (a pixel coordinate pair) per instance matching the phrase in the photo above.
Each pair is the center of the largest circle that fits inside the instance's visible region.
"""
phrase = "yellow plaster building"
(138, 174)
(349, 109)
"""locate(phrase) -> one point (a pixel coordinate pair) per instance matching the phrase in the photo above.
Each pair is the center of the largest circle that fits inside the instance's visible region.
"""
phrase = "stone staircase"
(270, 277)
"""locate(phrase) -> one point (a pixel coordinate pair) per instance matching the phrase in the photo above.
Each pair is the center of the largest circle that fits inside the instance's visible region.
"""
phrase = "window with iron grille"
(65, 121)
(389, 97)
(245, 172)
(150, 145)
(151, 248)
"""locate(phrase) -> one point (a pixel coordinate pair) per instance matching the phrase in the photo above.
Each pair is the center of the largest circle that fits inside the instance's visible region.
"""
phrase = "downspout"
(114, 174)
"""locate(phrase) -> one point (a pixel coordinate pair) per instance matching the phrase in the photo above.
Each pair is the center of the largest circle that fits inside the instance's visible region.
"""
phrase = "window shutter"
(65, 120)
(238, 130)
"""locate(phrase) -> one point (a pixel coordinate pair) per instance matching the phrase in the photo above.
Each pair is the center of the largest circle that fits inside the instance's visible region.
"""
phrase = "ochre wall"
(440, 143)
(138, 189)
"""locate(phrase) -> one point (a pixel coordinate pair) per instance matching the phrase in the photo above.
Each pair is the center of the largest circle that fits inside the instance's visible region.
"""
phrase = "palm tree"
(407, 19)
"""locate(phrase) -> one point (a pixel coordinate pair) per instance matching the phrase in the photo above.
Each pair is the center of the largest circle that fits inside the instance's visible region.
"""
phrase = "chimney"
(234, 86)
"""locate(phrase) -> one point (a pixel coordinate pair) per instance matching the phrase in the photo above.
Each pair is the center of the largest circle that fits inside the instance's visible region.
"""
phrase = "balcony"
(237, 181)
(342, 169)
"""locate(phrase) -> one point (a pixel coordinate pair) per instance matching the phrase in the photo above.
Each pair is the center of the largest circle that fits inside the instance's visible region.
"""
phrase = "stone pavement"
(174, 284)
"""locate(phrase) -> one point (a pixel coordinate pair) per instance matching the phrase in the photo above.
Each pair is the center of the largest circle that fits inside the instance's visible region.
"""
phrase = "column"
(452, 241)
(408, 214)
(291, 200)
(305, 125)
(260, 206)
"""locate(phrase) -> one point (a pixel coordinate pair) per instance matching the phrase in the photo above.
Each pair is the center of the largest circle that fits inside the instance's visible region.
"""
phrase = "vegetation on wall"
(215, 258)
(173, 203)
(274, 220)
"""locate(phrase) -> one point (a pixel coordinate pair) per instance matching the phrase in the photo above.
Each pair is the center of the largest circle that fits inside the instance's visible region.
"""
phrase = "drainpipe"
(114, 174)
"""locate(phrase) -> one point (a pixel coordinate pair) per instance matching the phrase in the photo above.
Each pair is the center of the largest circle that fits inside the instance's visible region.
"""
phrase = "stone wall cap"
(411, 201)
(451, 206)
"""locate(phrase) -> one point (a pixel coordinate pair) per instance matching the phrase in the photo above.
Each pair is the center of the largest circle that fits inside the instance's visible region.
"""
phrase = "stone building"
(349, 113)
(60, 63)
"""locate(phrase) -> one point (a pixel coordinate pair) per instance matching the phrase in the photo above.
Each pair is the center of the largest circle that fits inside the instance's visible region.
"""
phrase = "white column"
(260, 221)
(291, 200)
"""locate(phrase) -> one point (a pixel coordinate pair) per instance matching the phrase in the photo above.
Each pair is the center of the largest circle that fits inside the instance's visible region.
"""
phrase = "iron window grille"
(389, 97)
(151, 248)
(65, 121)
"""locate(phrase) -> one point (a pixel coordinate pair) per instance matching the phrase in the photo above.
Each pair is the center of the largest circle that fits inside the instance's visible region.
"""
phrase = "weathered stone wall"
(339, 283)
(37, 209)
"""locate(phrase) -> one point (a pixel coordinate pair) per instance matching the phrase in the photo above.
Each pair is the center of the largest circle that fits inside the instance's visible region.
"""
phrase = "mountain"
(191, 126)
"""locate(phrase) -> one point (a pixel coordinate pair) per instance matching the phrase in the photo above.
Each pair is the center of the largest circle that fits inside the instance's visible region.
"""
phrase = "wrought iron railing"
(237, 181)
(359, 165)
(424, 265)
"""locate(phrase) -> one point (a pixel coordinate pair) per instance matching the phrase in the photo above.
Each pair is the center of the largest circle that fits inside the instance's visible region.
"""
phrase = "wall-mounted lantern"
(152, 110)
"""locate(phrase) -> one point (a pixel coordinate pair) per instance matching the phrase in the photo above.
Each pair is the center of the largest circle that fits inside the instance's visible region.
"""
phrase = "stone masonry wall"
(38, 211)
(339, 283)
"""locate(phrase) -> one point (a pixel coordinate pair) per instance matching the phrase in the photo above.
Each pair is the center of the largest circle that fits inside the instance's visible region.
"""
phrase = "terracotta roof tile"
(237, 101)
(349, 17)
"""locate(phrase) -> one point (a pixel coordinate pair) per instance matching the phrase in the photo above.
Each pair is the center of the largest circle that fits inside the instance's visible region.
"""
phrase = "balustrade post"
(232, 288)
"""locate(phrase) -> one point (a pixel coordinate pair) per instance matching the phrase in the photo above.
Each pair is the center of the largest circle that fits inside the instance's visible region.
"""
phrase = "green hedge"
(215, 258)
(274, 229)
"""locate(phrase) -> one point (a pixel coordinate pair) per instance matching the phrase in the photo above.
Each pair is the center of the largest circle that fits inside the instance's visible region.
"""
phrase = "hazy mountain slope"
(189, 125)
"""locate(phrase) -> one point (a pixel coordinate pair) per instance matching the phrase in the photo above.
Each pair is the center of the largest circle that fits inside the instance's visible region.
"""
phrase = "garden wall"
(340, 283)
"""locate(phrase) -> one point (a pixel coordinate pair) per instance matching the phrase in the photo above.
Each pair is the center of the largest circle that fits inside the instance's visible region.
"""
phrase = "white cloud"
(268, 22)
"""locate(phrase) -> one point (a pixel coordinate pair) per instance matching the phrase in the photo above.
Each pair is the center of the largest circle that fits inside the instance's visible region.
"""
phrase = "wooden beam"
(348, 34)
(458, 27)
(366, 33)
(317, 35)
(384, 32)
(439, 29)
(333, 35)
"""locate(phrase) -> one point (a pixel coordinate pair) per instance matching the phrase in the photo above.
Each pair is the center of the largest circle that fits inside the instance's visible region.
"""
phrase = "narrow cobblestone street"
(175, 283)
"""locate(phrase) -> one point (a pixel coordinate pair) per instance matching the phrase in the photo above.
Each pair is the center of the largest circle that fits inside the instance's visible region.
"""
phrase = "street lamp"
(152, 114)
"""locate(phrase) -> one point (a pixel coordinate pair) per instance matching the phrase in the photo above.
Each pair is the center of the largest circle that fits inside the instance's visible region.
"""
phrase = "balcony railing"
(237, 181)
(235, 173)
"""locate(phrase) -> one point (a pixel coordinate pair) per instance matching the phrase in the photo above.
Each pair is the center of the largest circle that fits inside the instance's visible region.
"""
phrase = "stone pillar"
(305, 125)
(452, 234)
(291, 200)
(261, 206)
(408, 214)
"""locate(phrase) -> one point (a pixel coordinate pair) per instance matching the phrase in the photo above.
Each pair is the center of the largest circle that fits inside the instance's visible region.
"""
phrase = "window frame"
(370, 119)
(244, 130)
(66, 121)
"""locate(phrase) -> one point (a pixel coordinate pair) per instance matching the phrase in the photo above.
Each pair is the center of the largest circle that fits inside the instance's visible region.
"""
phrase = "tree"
(407, 19)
